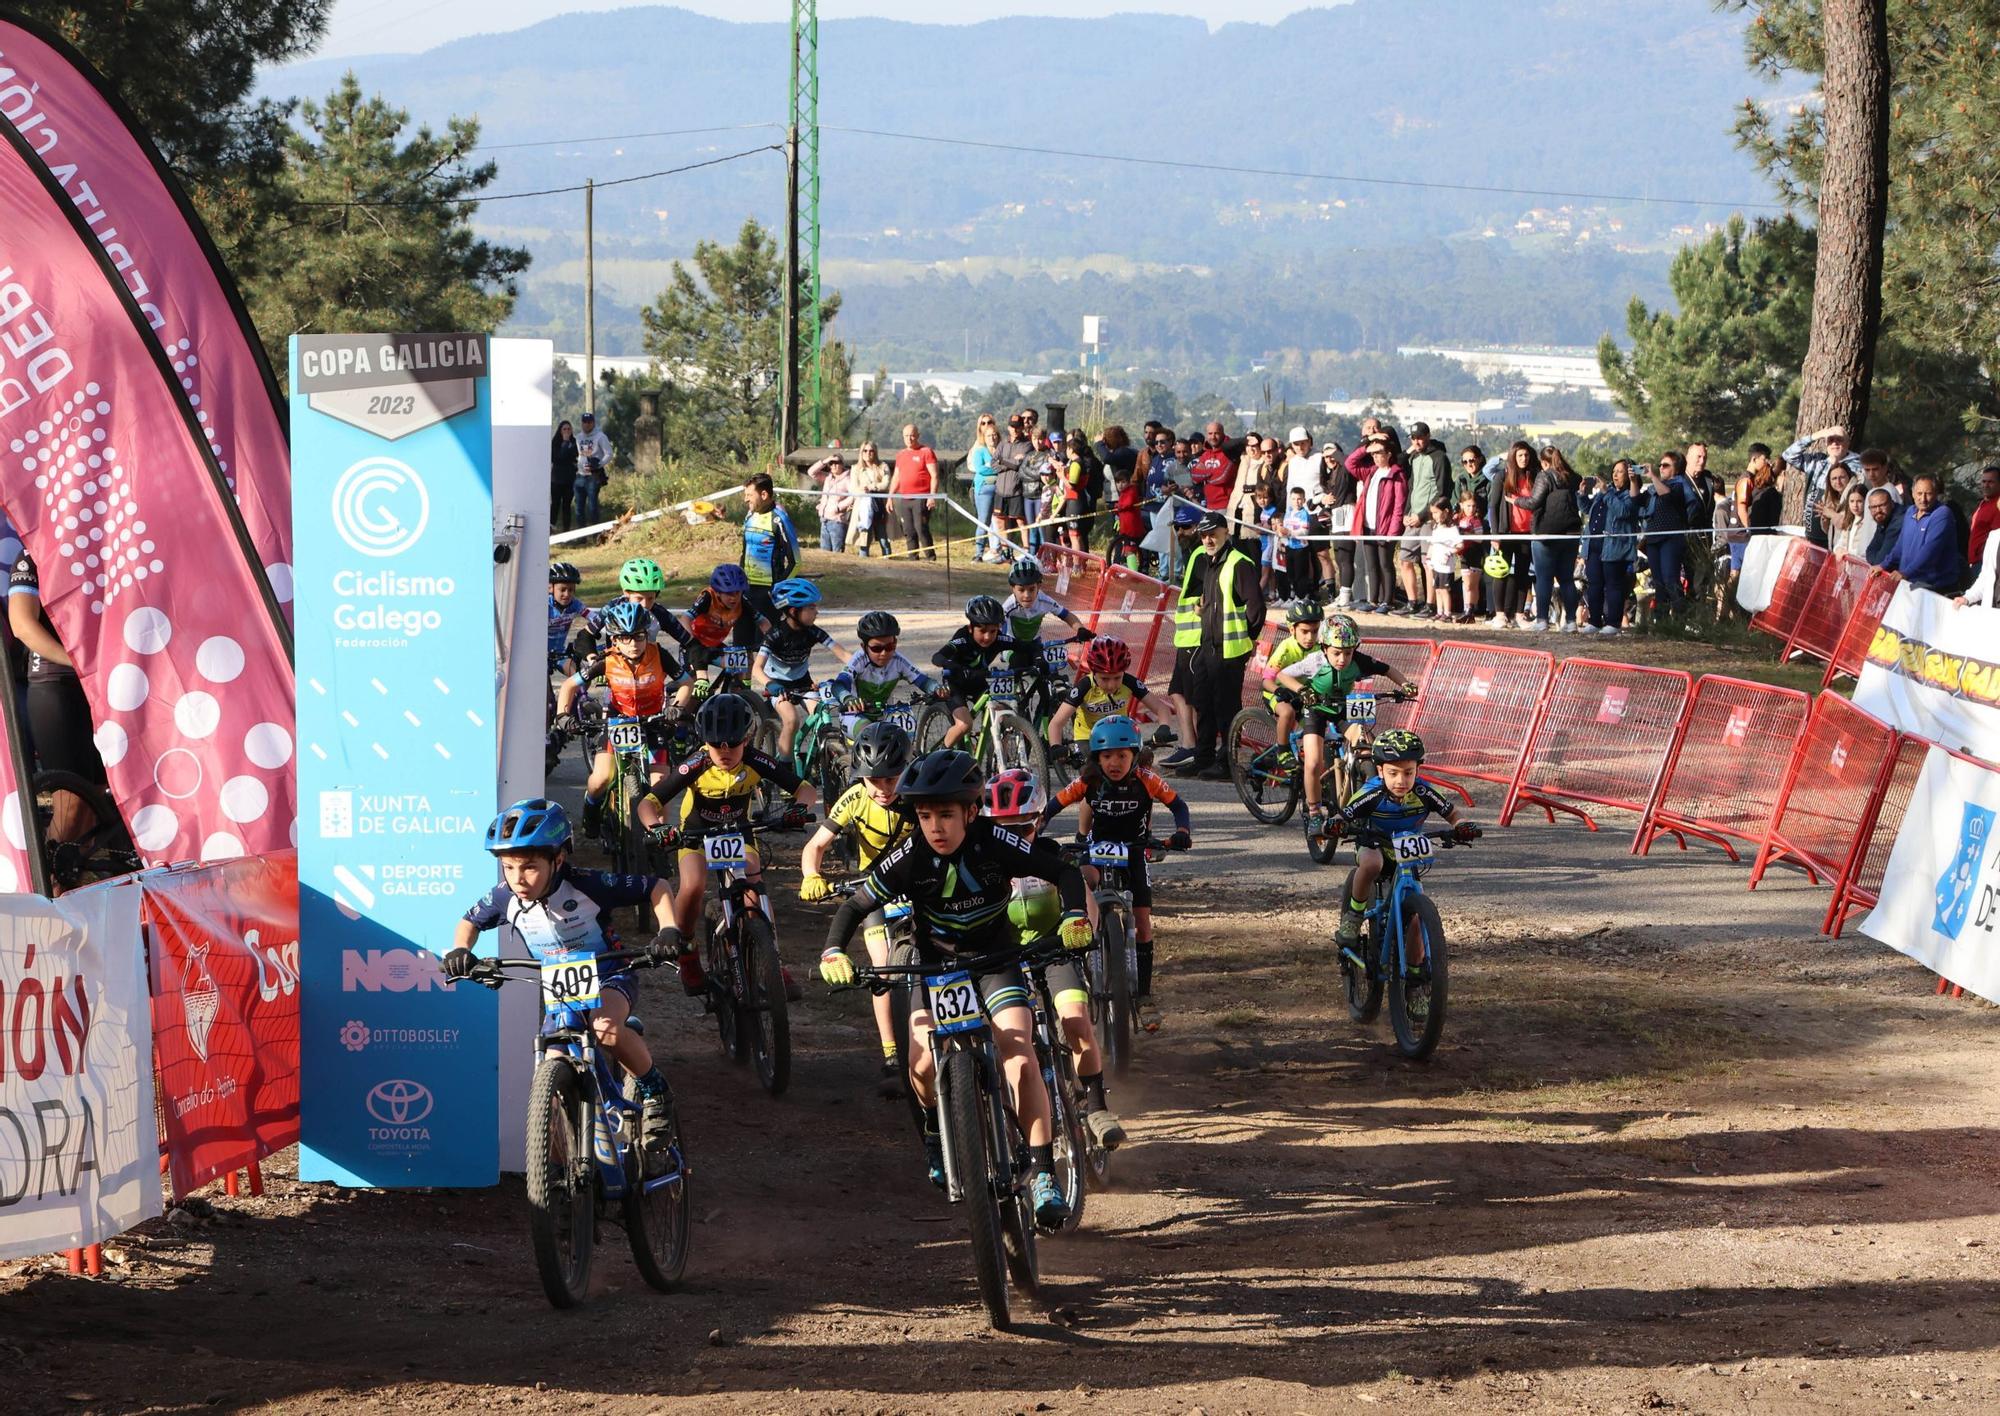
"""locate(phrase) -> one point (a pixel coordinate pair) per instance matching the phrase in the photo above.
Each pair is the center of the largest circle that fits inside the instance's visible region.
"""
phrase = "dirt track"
(1675, 1154)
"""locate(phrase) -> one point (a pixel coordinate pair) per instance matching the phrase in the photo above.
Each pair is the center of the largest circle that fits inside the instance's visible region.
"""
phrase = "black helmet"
(878, 624)
(944, 775)
(1305, 612)
(984, 609)
(724, 720)
(1398, 745)
(881, 750)
(563, 573)
(1027, 571)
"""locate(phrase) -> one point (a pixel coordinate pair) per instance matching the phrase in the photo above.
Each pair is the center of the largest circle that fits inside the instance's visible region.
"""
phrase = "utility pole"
(589, 295)
(788, 410)
(802, 290)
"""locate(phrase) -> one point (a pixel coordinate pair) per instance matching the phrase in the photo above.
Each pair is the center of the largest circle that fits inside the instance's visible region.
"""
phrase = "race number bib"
(1414, 848)
(725, 850)
(1056, 655)
(903, 715)
(1000, 683)
(1110, 853)
(627, 735)
(735, 659)
(569, 981)
(955, 1005)
(1361, 708)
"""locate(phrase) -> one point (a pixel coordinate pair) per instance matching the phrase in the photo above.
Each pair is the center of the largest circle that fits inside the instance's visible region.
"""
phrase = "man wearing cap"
(1815, 464)
(593, 469)
(1430, 479)
(1220, 615)
(1302, 465)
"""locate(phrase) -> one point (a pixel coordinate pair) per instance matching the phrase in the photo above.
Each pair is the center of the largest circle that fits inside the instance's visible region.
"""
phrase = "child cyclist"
(969, 654)
(1028, 604)
(1394, 802)
(1014, 800)
(1107, 689)
(638, 675)
(722, 616)
(566, 609)
(871, 676)
(869, 815)
(1322, 681)
(553, 906)
(1116, 797)
(957, 870)
(642, 582)
(784, 658)
(1302, 630)
(719, 782)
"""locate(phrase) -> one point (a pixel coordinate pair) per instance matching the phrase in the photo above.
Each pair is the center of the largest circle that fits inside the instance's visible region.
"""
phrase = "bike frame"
(1397, 884)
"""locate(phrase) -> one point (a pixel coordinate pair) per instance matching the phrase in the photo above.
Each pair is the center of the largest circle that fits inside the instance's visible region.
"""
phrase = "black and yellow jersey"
(721, 795)
(870, 828)
(1092, 703)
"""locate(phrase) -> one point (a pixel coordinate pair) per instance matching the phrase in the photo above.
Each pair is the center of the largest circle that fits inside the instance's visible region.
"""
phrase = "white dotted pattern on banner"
(87, 501)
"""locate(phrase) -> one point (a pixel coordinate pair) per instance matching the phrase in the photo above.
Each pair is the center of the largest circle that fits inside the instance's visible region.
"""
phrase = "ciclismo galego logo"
(381, 506)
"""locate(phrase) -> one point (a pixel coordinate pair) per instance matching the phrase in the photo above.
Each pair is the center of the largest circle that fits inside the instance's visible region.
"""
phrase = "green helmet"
(1036, 907)
(1340, 633)
(641, 574)
(1304, 612)
(1398, 745)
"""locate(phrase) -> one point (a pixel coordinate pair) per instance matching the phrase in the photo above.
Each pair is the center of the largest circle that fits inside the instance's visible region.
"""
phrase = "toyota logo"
(380, 506)
(397, 1102)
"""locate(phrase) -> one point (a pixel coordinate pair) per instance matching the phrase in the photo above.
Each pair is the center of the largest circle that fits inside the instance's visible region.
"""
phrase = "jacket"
(1553, 502)
(1008, 459)
(1430, 478)
(1673, 512)
(1614, 515)
(1926, 550)
(1883, 544)
(1384, 496)
(1249, 594)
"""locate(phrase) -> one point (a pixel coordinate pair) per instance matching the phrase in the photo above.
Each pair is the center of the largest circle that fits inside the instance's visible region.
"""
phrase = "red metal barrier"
(1828, 609)
(1074, 579)
(1821, 817)
(1412, 658)
(1851, 649)
(1602, 739)
(1138, 609)
(1860, 885)
(1726, 764)
(1260, 658)
(1792, 590)
(1478, 710)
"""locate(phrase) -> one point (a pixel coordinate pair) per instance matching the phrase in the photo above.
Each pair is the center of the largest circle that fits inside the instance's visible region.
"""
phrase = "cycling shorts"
(1137, 881)
(793, 690)
(999, 989)
(1064, 977)
(1181, 685)
(59, 722)
(1325, 722)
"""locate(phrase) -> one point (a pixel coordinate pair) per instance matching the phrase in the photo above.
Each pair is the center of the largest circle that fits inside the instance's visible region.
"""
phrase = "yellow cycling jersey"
(721, 795)
(870, 827)
(1288, 653)
(1093, 704)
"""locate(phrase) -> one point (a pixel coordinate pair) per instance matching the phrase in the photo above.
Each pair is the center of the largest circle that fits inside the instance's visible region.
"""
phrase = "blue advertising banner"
(392, 496)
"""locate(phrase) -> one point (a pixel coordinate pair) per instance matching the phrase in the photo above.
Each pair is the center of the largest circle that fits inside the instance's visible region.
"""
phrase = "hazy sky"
(395, 26)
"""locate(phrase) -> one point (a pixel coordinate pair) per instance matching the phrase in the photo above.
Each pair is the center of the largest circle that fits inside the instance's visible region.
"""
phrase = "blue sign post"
(392, 498)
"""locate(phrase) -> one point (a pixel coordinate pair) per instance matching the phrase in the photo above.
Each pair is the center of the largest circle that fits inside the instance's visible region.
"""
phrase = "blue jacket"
(1614, 515)
(1668, 513)
(1926, 550)
(1883, 543)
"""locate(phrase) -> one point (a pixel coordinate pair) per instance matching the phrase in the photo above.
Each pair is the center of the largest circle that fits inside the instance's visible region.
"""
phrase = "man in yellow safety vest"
(1223, 621)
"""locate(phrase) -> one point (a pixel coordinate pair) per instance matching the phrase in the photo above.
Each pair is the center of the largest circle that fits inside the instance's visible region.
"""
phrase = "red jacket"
(1214, 474)
(1985, 521)
(1378, 510)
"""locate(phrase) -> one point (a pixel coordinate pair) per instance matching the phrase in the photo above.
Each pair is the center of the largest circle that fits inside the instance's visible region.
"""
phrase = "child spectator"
(1471, 526)
(1301, 566)
(1442, 541)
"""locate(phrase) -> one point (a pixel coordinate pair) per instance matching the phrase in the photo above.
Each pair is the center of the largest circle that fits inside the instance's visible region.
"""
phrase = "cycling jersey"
(1026, 622)
(716, 624)
(576, 914)
(24, 580)
(965, 662)
(770, 546)
(872, 683)
(787, 650)
(718, 796)
(564, 618)
(1092, 702)
(1283, 657)
(960, 899)
(1330, 685)
(664, 620)
(1121, 810)
(1373, 813)
(870, 827)
(638, 686)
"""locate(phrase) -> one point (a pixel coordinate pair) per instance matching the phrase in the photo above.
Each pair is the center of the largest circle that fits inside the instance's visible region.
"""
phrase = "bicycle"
(821, 753)
(104, 848)
(985, 1163)
(1112, 967)
(1416, 1004)
(630, 741)
(1347, 766)
(584, 1150)
(1001, 738)
(739, 948)
(1081, 1164)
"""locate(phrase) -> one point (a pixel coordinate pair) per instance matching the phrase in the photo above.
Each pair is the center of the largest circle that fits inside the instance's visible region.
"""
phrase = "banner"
(1933, 670)
(15, 871)
(1763, 558)
(393, 498)
(79, 1151)
(225, 963)
(1940, 900)
(108, 169)
(140, 573)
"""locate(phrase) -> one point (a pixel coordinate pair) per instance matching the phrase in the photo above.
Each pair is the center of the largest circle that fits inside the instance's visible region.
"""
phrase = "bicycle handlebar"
(491, 973)
(880, 978)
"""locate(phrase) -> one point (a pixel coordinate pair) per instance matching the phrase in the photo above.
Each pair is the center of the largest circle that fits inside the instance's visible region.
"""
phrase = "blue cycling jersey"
(1374, 811)
(564, 618)
(575, 914)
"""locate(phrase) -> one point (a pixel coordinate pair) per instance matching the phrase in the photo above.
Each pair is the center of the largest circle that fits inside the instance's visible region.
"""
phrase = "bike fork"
(953, 1190)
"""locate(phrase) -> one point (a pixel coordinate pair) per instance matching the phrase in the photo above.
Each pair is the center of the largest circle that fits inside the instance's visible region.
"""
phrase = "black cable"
(551, 191)
(621, 137)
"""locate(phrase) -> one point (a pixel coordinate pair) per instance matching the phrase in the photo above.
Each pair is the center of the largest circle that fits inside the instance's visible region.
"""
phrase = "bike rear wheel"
(1114, 1000)
(770, 1016)
(1270, 793)
(1081, 1164)
(1011, 741)
(1416, 1010)
(562, 1202)
(1321, 845)
(972, 1160)
(933, 721)
(656, 1213)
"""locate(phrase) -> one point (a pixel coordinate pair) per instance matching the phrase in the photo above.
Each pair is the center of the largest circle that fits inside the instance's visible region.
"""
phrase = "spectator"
(1302, 466)
(1888, 526)
(1333, 517)
(1230, 611)
(1767, 497)
(1926, 551)
(562, 475)
(1265, 516)
(1384, 497)
(1825, 502)
(1701, 548)
(1668, 506)
(984, 465)
(871, 480)
(1813, 465)
(770, 544)
(1010, 500)
(1164, 470)
(1556, 523)
(1430, 483)
(1850, 529)
(1253, 469)
(1736, 515)
(1470, 478)
(1214, 468)
(1074, 490)
(1612, 550)
(1512, 480)
(1982, 589)
(1985, 516)
(915, 487)
(836, 501)
(1878, 469)
(1301, 582)
(1443, 542)
(593, 470)
(1471, 524)
(1129, 522)
(1045, 473)
(1115, 457)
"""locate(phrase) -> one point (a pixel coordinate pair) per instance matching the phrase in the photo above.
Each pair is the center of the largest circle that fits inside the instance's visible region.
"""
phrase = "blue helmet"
(729, 579)
(1187, 514)
(1114, 731)
(536, 824)
(794, 594)
(623, 617)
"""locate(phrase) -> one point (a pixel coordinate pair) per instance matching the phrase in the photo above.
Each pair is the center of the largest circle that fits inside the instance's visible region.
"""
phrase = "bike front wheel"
(1081, 1164)
(720, 969)
(1114, 999)
(562, 1206)
(973, 1162)
(657, 1209)
(1416, 1005)
(1268, 790)
(770, 1015)
(1362, 981)
(1011, 741)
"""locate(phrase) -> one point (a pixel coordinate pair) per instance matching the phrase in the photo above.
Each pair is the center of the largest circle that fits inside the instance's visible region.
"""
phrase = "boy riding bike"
(638, 675)
(1117, 796)
(1106, 689)
(642, 582)
(554, 907)
(969, 653)
(1014, 800)
(1302, 629)
(720, 615)
(1028, 604)
(872, 674)
(783, 660)
(1394, 802)
(1321, 682)
(957, 871)
(869, 815)
(566, 611)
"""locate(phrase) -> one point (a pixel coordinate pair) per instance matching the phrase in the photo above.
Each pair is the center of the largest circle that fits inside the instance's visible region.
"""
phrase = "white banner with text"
(1933, 670)
(1940, 899)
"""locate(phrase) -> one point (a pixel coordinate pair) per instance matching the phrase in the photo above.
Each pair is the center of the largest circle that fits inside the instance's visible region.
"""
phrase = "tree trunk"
(1853, 204)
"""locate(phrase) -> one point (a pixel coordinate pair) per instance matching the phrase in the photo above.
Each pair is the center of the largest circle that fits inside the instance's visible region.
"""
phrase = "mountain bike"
(924, 719)
(585, 1153)
(634, 744)
(985, 1161)
(1001, 738)
(739, 947)
(101, 850)
(1111, 969)
(728, 670)
(1345, 767)
(1416, 998)
(1081, 1164)
(821, 753)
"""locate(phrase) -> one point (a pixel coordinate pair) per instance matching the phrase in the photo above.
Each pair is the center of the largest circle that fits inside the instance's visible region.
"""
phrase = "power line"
(1304, 176)
(620, 137)
(552, 191)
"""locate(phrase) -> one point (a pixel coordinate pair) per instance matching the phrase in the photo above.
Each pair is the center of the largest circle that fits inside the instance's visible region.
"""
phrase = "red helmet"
(1013, 794)
(1107, 654)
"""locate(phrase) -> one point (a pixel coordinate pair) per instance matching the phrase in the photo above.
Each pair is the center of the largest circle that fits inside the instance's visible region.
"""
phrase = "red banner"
(225, 962)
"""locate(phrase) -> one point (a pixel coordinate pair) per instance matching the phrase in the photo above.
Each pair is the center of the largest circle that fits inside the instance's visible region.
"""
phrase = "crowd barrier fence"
(1477, 710)
(1137, 608)
(1828, 608)
(1851, 647)
(1792, 591)
(1601, 739)
(1860, 885)
(1820, 819)
(1725, 765)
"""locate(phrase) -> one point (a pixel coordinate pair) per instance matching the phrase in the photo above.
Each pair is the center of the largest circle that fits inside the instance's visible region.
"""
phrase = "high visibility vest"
(1236, 641)
(1187, 614)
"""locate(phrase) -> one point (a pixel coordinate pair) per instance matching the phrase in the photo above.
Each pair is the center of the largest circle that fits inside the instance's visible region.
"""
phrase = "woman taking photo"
(1513, 481)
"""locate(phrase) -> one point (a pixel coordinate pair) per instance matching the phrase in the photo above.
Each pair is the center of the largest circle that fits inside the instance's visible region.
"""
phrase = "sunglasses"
(888, 648)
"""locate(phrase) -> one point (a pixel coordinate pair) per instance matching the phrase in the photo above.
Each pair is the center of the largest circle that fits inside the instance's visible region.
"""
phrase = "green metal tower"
(804, 136)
